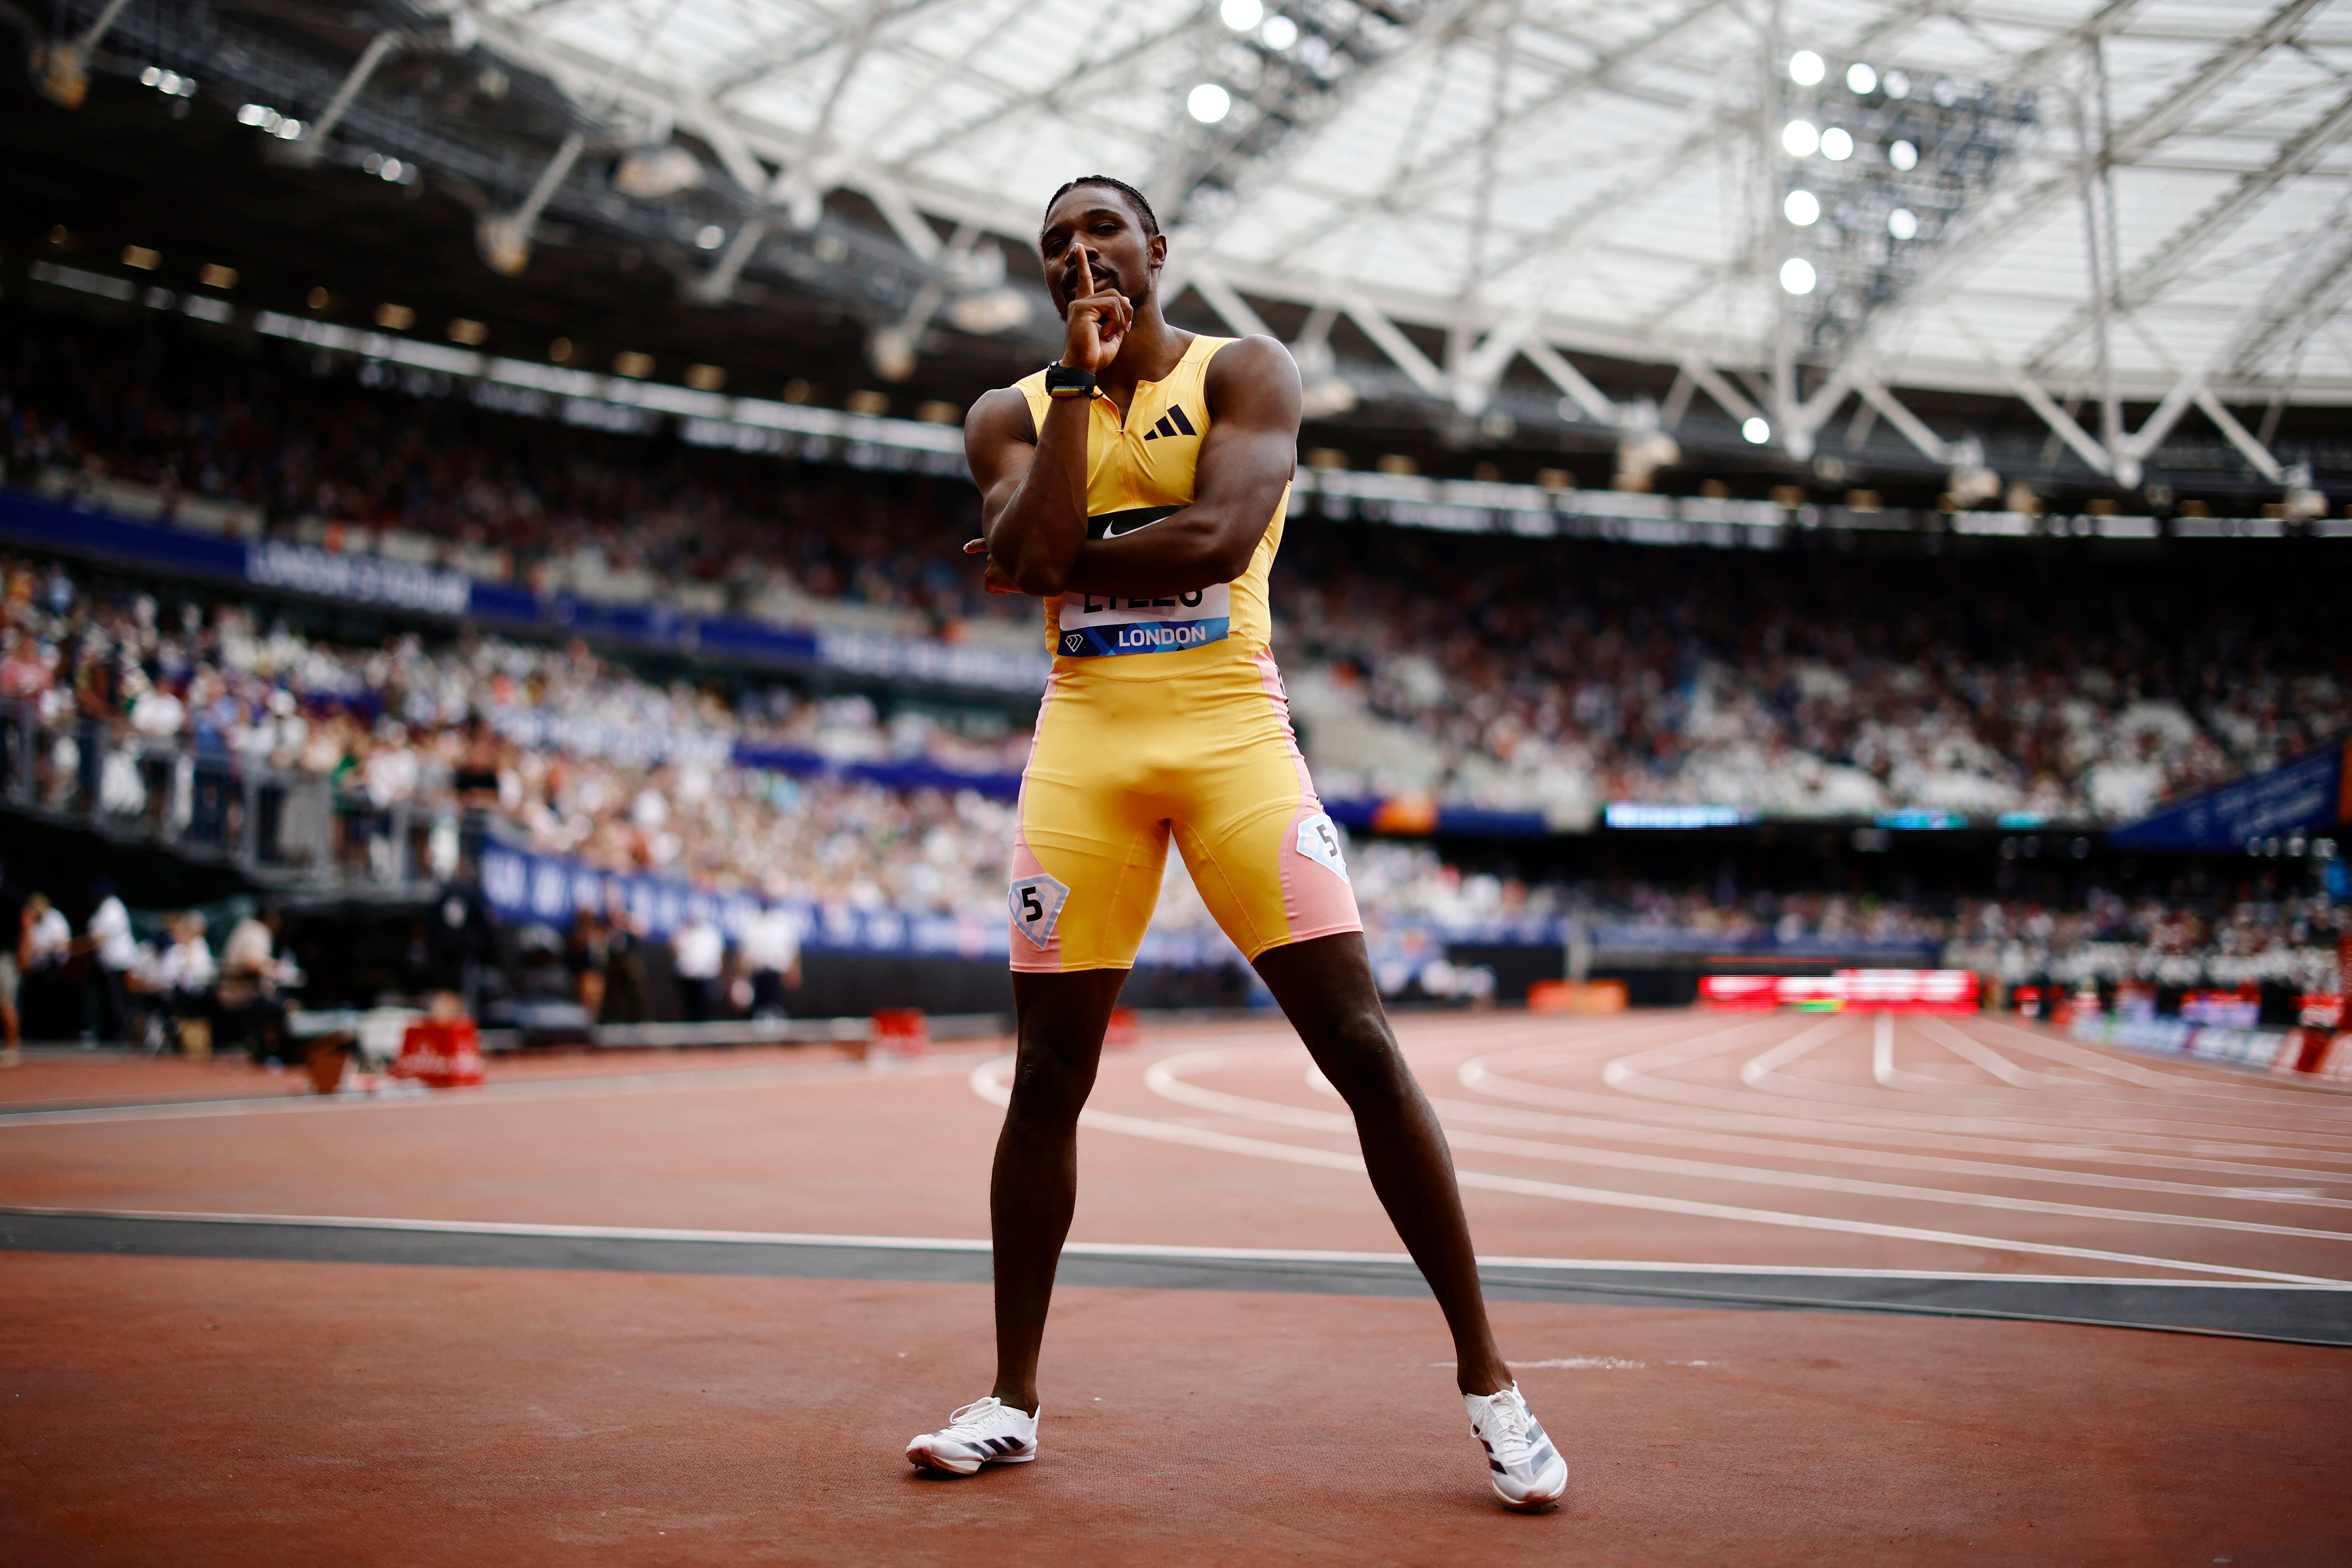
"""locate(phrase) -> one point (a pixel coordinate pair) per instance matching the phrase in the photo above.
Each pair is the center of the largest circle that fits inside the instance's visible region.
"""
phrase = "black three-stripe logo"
(1180, 426)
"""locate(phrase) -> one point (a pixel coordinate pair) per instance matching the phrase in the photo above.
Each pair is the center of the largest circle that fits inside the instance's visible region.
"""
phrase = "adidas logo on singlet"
(1180, 426)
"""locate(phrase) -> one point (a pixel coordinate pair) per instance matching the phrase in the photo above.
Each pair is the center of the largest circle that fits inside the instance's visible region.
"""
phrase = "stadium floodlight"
(1757, 429)
(1803, 207)
(1860, 77)
(1241, 15)
(710, 237)
(1896, 84)
(1903, 155)
(1797, 276)
(1805, 68)
(1208, 102)
(1801, 138)
(1837, 145)
(1903, 224)
(1279, 33)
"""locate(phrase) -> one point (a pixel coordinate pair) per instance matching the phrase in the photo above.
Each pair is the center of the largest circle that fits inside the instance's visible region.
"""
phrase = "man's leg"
(1325, 985)
(1035, 1181)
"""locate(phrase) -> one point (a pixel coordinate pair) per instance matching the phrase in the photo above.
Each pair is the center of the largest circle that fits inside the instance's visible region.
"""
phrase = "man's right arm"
(1033, 487)
(1033, 482)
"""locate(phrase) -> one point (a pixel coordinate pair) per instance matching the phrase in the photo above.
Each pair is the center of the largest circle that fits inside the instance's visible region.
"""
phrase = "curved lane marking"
(986, 1082)
(1166, 1079)
(1629, 1075)
(1480, 1074)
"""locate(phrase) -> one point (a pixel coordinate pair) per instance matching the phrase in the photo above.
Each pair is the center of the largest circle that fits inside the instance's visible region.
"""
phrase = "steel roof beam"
(1914, 428)
(1078, 79)
(1418, 366)
(1995, 229)
(2146, 283)
(1211, 285)
(2330, 284)
(2241, 437)
(1403, 180)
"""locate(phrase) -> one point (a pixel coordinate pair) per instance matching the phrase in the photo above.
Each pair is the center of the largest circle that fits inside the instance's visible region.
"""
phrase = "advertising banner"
(2313, 793)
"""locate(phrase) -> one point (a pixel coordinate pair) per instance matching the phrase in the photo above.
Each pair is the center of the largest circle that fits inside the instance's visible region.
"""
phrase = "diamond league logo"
(1073, 643)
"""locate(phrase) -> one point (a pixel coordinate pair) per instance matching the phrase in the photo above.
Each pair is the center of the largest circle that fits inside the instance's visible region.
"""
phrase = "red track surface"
(184, 1409)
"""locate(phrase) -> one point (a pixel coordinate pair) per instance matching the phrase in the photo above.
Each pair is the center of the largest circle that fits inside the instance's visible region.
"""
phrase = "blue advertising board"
(2308, 795)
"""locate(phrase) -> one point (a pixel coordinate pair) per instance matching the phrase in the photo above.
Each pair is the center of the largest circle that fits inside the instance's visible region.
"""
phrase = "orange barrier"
(441, 1053)
(1577, 996)
(1124, 1034)
(1874, 990)
(2316, 1021)
(902, 1031)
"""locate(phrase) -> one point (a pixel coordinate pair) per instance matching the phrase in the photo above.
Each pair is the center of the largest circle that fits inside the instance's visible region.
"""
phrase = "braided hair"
(1134, 198)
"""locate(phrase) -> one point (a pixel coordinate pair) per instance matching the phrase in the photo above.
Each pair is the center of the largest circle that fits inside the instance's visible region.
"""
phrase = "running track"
(1788, 1287)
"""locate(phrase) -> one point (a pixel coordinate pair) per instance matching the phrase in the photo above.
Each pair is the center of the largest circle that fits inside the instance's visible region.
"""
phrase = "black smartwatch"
(1061, 381)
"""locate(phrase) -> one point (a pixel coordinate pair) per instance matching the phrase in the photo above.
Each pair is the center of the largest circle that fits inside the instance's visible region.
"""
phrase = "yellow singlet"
(1165, 716)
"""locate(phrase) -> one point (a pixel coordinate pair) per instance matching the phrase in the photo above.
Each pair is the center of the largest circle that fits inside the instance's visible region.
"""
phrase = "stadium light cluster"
(269, 122)
(1881, 173)
(170, 83)
(393, 171)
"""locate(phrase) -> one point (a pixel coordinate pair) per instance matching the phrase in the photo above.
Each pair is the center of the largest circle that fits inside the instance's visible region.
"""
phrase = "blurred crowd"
(2293, 941)
(579, 757)
(1519, 673)
(160, 982)
(156, 411)
(1541, 673)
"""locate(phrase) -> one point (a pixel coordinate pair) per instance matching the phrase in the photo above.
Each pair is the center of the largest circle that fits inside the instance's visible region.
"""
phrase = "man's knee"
(1360, 1056)
(1049, 1085)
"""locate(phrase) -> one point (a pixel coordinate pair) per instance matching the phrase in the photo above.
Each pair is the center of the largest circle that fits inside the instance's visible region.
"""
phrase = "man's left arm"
(1246, 459)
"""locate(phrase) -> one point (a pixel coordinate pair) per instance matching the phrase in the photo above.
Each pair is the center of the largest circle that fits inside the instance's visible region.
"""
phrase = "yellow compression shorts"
(1118, 766)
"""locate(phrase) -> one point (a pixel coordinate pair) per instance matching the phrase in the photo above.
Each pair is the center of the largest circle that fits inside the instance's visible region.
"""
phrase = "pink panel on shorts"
(1316, 901)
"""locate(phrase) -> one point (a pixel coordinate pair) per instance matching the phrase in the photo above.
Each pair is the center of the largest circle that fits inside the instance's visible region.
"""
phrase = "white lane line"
(1756, 1071)
(679, 1082)
(986, 1083)
(1110, 1248)
(2319, 1100)
(1677, 1052)
(1889, 1076)
(1871, 1109)
(2089, 1111)
(1167, 1079)
(1681, 1103)
(1985, 1056)
(1473, 1077)
(2272, 1106)
(2276, 1109)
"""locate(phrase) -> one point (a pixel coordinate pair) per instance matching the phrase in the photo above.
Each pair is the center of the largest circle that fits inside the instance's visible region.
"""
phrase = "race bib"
(1094, 624)
(1099, 624)
(1035, 904)
(1319, 840)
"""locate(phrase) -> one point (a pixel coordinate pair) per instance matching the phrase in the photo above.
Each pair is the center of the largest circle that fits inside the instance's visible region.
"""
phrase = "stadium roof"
(2042, 198)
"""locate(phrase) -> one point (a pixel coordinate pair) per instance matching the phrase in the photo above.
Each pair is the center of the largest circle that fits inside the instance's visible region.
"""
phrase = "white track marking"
(1985, 1056)
(2312, 1098)
(1488, 1075)
(2092, 1111)
(986, 1082)
(1753, 1073)
(1882, 1067)
(1625, 1132)
(584, 1087)
(1166, 1079)
(1871, 1108)
(1115, 1248)
(2307, 1109)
